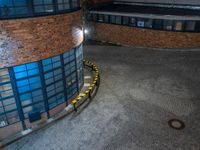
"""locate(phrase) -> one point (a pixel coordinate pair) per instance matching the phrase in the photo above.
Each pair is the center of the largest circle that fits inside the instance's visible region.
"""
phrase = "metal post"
(77, 79)
(70, 4)
(64, 80)
(55, 6)
(46, 103)
(30, 6)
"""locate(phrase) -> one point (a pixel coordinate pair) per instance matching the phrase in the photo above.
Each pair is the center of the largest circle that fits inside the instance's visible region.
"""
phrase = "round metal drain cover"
(176, 124)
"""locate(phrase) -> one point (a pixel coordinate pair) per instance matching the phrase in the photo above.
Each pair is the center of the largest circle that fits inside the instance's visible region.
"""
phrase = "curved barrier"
(92, 90)
(75, 104)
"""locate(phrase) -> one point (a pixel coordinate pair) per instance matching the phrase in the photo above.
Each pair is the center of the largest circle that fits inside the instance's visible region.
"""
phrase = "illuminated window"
(140, 22)
(29, 87)
(63, 5)
(178, 26)
(71, 85)
(100, 18)
(39, 86)
(43, 6)
(132, 21)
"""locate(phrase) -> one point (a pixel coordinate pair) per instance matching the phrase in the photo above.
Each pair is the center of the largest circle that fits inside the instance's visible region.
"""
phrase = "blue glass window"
(8, 108)
(69, 56)
(75, 3)
(28, 85)
(43, 6)
(63, 5)
(13, 8)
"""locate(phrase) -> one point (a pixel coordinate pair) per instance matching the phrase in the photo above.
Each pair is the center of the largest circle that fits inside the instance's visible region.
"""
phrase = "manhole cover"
(176, 124)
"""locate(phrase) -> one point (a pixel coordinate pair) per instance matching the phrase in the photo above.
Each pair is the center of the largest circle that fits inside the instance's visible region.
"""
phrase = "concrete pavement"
(141, 89)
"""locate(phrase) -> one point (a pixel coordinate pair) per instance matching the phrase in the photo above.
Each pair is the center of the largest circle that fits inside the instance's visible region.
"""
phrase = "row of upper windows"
(160, 24)
(26, 8)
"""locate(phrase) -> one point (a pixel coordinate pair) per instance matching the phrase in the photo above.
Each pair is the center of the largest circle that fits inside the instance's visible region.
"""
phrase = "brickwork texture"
(143, 37)
(33, 39)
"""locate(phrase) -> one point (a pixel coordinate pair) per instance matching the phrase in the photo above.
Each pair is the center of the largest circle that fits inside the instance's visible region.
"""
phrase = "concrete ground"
(141, 89)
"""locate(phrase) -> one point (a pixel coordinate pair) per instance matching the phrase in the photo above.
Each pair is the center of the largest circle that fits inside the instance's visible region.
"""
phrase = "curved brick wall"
(32, 39)
(143, 37)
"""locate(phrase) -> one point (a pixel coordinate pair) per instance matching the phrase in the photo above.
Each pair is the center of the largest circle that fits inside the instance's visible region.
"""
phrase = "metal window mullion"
(77, 80)
(70, 4)
(44, 88)
(5, 113)
(55, 6)
(30, 7)
(64, 80)
(17, 98)
(78, 3)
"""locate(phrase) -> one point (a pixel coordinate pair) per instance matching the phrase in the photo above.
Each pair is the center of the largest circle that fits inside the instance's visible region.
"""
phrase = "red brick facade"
(143, 37)
(33, 39)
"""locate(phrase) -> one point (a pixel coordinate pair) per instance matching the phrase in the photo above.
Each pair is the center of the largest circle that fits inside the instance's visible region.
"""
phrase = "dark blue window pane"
(55, 59)
(58, 77)
(66, 54)
(25, 96)
(24, 89)
(48, 67)
(58, 64)
(48, 75)
(51, 93)
(35, 86)
(46, 61)
(49, 81)
(20, 2)
(38, 98)
(57, 71)
(49, 88)
(21, 10)
(71, 58)
(36, 93)
(34, 79)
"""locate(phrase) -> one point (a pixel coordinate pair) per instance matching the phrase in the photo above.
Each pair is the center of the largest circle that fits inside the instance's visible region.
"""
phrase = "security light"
(86, 31)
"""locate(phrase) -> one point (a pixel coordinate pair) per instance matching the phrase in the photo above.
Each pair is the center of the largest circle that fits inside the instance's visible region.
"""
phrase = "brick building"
(147, 23)
(41, 57)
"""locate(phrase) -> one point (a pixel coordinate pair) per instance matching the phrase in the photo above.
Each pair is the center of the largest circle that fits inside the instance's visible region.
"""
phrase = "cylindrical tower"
(40, 60)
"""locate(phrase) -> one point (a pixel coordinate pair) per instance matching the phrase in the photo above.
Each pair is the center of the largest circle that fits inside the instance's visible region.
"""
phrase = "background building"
(147, 23)
(41, 57)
